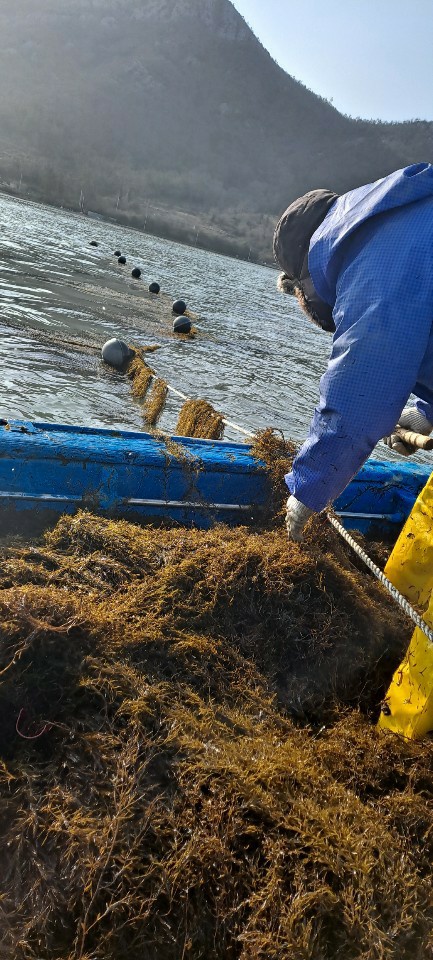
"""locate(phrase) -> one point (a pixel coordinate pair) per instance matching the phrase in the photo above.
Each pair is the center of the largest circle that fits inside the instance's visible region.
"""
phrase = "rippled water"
(255, 357)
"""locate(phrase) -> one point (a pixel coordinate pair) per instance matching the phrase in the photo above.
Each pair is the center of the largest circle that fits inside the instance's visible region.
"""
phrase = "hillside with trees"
(170, 115)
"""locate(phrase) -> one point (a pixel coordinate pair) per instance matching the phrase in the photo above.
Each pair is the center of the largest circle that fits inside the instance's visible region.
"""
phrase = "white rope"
(235, 426)
(395, 594)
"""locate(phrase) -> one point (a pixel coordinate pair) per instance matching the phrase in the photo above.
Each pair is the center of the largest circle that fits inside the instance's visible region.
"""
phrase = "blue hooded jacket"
(372, 260)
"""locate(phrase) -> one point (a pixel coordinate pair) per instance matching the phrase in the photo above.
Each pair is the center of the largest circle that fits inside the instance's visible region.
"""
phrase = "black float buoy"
(136, 273)
(121, 260)
(182, 325)
(116, 353)
(117, 253)
(154, 287)
(179, 307)
(94, 243)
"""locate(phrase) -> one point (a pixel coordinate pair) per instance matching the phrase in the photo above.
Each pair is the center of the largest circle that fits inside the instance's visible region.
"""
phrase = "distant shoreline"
(124, 220)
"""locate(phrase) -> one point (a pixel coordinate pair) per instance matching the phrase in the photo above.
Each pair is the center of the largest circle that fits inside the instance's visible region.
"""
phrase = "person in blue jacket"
(361, 266)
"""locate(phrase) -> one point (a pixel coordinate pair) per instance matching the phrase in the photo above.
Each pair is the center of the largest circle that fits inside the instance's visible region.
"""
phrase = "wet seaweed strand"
(141, 375)
(277, 453)
(198, 418)
(155, 402)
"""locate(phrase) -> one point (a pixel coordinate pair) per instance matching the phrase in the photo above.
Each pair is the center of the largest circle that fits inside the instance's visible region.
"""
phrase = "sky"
(372, 58)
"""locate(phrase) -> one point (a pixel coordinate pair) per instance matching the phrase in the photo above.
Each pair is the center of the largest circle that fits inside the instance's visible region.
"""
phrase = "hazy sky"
(374, 58)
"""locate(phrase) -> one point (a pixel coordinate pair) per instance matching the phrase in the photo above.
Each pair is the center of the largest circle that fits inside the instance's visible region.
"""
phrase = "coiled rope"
(395, 594)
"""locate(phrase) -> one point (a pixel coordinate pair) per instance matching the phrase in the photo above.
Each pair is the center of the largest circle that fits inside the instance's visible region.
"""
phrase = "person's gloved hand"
(296, 517)
(410, 419)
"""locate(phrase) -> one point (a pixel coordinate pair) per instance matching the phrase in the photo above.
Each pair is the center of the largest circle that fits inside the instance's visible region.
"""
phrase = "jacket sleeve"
(383, 320)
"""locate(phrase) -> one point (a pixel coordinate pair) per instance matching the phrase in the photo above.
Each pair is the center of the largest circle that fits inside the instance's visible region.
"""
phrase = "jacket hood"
(291, 245)
(351, 210)
(296, 227)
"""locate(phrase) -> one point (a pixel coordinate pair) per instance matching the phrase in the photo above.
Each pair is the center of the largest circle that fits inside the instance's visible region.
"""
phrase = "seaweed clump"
(140, 374)
(198, 418)
(271, 447)
(155, 402)
(160, 795)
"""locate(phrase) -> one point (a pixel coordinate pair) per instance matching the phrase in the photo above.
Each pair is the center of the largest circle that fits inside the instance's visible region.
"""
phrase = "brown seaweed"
(198, 418)
(141, 376)
(196, 771)
(155, 402)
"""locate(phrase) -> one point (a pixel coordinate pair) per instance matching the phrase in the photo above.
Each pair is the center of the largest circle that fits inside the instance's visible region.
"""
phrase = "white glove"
(410, 419)
(296, 518)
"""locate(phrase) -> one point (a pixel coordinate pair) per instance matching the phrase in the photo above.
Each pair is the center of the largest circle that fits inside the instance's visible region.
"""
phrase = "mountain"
(170, 113)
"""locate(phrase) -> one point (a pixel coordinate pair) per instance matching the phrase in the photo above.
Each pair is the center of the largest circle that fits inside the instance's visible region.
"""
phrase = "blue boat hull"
(379, 499)
(50, 469)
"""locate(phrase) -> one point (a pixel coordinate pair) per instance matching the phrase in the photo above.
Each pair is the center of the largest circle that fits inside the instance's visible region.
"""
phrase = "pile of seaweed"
(190, 766)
